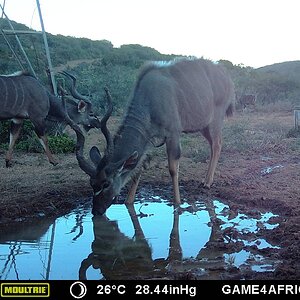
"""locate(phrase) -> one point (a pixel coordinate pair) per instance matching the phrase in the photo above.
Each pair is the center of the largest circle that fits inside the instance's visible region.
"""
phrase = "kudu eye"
(105, 185)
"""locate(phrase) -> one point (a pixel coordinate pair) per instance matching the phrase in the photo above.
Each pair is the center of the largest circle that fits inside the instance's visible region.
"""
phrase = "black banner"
(92, 289)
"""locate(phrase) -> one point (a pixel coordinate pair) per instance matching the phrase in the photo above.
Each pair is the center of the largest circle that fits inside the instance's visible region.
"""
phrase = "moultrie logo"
(25, 290)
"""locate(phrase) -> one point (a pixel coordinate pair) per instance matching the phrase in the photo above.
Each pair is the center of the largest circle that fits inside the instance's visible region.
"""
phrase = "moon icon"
(74, 290)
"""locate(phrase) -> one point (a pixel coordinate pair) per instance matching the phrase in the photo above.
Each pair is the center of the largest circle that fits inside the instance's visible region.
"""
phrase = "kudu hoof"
(206, 185)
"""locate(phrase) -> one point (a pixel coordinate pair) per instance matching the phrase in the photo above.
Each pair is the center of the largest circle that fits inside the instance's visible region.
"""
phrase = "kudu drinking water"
(22, 96)
(170, 98)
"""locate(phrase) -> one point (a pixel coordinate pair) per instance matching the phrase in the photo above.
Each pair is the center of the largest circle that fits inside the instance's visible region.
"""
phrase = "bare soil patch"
(259, 171)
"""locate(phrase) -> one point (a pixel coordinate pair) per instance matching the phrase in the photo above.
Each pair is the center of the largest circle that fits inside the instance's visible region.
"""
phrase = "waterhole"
(150, 239)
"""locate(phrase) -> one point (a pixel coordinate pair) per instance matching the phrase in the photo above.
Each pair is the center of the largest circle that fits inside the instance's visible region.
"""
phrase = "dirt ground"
(263, 177)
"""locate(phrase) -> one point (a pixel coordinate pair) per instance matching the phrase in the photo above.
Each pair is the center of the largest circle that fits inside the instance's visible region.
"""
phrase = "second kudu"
(169, 98)
(22, 97)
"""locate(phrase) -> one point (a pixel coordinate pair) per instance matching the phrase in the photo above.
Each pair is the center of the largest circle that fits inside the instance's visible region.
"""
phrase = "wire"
(3, 6)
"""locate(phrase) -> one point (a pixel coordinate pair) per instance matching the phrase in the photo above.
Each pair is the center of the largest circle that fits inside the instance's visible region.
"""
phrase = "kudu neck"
(133, 135)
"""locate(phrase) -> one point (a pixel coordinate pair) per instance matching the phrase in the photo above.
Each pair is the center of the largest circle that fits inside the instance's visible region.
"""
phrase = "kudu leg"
(44, 142)
(40, 131)
(138, 231)
(175, 250)
(174, 153)
(136, 179)
(132, 190)
(215, 142)
(216, 150)
(15, 129)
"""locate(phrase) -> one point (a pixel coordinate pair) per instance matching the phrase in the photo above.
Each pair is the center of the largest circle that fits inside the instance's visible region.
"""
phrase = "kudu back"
(169, 98)
(22, 97)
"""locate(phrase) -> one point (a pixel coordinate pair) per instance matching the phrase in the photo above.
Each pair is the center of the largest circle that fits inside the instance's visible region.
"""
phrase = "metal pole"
(296, 118)
(12, 50)
(50, 251)
(3, 8)
(18, 41)
(47, 49)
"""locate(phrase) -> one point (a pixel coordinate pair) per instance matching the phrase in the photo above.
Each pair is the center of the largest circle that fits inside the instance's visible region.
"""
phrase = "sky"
(253, 33)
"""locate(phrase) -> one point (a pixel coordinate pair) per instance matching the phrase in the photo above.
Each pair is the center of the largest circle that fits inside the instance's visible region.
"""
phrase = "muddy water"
(151, 239)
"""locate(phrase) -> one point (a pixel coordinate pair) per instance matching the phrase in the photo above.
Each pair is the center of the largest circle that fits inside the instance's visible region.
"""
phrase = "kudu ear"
(95, 155)
(81, 106)
(130, 162)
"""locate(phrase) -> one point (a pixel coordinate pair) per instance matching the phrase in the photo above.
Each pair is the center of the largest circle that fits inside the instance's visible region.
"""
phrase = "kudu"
(81, 112)
(169, 98)
(22, 97)
(247, 100)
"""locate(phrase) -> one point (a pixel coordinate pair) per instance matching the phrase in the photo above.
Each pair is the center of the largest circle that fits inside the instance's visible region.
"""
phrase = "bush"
(4, 132)
(26, 131)
(29, 142)
(57, 144)
(61, 144)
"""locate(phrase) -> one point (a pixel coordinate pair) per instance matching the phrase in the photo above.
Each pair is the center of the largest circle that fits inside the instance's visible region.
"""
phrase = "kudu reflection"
(118, 256)
(169, 98)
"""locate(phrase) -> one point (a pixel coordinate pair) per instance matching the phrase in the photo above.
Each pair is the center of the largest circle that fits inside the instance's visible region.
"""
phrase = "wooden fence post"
(297, 118)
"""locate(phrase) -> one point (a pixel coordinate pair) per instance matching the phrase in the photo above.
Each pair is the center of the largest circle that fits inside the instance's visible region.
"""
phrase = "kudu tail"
(230, 110)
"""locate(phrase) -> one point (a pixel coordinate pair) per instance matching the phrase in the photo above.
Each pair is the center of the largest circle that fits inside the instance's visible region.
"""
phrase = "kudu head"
(106, 177)
(84, 114)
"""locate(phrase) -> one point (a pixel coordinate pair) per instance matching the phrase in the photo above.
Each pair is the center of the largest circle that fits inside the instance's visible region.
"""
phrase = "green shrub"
(28, 141)
(4, 132)
(31, 144)
(57, 144)
(61, 144)
(26, 131)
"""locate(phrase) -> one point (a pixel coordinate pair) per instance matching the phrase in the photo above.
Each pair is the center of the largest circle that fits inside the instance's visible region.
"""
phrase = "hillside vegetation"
(98, 63)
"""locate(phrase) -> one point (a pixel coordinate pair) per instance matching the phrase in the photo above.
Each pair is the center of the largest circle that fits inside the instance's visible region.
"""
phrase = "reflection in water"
(119, 256)
(268, 170)
(145, 240)
(41, 250)
(114, 253)
(15, 240)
